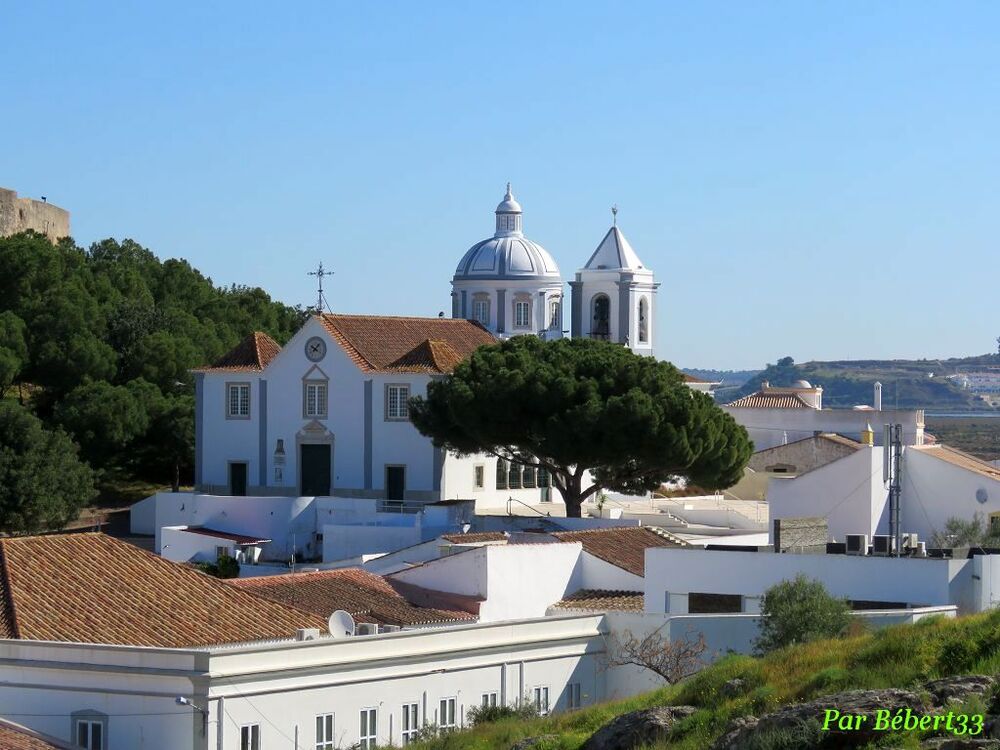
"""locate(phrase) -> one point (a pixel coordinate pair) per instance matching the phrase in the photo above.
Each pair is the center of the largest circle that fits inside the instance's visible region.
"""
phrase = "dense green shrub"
(799, 611)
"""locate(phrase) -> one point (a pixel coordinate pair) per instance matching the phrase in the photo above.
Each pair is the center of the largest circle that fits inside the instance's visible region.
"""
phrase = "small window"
(90, 734)
(489, 700)
(573, 696)
(369, 728)
(481, 311)
(541, 700)
(643, 321)
(528, 477)
(397, 406)
(544, 478)
(221, 552)
(250, 737)
(501, 474)
(522, 314)
(411, 725)
(446, 716)
(554, 323)
(314, 400)
(238, 400)
(478, 476)
(514, 477)
(324, 732)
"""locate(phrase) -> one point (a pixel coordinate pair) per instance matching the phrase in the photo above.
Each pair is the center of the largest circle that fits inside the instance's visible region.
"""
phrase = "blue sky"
(818, 180)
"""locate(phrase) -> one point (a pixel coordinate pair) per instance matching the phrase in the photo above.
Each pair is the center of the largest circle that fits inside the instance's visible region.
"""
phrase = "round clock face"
(315, 349)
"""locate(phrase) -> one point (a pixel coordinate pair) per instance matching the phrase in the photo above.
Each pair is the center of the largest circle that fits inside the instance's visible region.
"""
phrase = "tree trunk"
(572, 496)
(177, 476)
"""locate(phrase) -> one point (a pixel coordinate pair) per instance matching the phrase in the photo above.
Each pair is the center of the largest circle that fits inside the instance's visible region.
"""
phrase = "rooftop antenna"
(614, 215)
(321, 301)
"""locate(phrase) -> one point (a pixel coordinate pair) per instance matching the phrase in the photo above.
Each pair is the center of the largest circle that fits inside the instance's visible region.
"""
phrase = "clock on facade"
(315, 349)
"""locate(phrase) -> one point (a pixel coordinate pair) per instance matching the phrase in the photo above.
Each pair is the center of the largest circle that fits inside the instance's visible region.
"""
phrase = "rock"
(637, 728)
(957, 689)
(733, 688)
(805, 720)
(529, 742)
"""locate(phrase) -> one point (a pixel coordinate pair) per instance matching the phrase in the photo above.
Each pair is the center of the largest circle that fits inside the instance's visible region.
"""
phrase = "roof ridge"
(8, 591)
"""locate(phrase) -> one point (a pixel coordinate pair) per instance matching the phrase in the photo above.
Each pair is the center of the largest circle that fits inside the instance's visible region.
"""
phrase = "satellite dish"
(982, 495)
(341, 624)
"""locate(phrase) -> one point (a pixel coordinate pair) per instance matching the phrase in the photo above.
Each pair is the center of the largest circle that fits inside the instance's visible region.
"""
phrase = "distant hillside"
(910, 384)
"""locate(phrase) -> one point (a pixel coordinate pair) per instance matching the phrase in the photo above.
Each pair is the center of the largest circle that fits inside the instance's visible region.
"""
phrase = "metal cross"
(614, 215)
(319, 273)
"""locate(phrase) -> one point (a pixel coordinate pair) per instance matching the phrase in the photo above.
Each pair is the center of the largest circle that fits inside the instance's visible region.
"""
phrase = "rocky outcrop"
(637, 728)
(957, 689)
(804, 721)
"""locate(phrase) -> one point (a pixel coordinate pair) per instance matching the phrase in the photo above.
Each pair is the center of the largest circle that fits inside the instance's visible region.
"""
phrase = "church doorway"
(314, 462)
(238, 478)
(601, 326)
(395, 482)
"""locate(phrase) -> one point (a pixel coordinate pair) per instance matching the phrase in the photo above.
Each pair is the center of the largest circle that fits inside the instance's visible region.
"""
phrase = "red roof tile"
(396, 344)
(16, 737)
(366, 596)
(476, 537)
(252, 354)
(90, 588)
(762, 400)
(624, 547)
(602, 600)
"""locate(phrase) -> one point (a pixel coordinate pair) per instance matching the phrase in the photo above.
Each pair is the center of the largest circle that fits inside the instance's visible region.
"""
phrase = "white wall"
(934, 490)
(916, 581)
(769, 427)
(342, 541)
(849, 493)
(178, 545)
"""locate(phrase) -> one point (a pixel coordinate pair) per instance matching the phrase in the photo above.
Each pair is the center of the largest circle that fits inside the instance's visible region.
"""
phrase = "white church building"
(327, 414)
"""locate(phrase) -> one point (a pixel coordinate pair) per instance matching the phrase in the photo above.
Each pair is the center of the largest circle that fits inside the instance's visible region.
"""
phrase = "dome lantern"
(508, 216)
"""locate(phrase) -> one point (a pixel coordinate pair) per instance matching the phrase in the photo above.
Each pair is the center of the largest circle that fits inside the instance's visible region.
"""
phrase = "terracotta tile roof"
(693, 379)
(396, 344)
(237, 538)
(90, 588)
(368, 597)
(624, 547)
(958, 458)
(16, 737)
(762, 400)
(602, 600)
(476, 537)
(252, 354)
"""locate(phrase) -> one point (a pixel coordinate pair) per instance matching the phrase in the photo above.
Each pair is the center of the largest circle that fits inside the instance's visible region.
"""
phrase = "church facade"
(327, 414)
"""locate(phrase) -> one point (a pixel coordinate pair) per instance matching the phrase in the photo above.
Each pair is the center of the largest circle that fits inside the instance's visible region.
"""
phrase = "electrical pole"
(892, 465)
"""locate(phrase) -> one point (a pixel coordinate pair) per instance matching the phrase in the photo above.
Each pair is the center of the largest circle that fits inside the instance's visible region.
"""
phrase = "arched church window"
(600, 327)
(501, 474)
(554, 322)
(522, 314)
(481, 310)
(643, 321)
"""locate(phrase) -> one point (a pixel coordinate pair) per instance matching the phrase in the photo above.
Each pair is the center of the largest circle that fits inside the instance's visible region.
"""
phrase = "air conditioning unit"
(389, 629)
(883, 544)
(910, 541)
(307, 634)
(857, 544)
(921, 549)
(366, 628)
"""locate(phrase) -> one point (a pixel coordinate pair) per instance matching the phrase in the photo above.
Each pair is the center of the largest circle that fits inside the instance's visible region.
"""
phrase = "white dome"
(508, 254)
(507, 257)
(801, 384)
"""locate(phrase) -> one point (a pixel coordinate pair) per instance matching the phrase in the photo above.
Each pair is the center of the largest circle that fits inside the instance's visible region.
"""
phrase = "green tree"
(577, 405)
(961, 532)
(799, 611)
(43, 485)
(166, 452)
(104, 418)
(13, 350)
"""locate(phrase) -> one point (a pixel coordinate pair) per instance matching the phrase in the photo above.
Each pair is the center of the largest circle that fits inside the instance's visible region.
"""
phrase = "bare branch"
(671, 660)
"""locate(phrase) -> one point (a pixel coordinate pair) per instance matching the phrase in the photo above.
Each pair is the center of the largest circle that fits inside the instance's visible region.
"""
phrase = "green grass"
(902, 656)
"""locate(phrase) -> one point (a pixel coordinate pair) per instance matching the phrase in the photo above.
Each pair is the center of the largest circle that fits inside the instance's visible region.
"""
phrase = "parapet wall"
(22, 214)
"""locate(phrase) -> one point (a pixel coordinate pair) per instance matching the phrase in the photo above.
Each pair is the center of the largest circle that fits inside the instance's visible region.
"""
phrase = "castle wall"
(22, 214)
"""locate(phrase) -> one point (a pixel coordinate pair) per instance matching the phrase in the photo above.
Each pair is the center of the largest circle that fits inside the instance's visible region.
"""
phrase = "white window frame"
(479, 477)
(91, 722)
(315, 399)
(250, 737)
(481, 310)
(643, 315)
(541, 699)
(400, 412)
(410, 722)
(554, 322)
(489, 700)
(447, 712)
(241, 401)
(368, 734)
(326, 726)
(522, 313)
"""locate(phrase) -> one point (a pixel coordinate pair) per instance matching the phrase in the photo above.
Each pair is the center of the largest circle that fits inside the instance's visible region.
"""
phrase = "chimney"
(868, 435)
(764, 385)
(877, 401)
